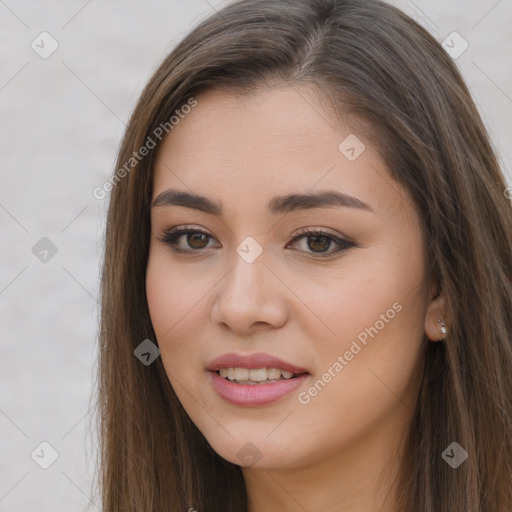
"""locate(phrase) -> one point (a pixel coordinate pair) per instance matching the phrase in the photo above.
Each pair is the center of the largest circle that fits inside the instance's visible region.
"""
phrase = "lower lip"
(252, 395)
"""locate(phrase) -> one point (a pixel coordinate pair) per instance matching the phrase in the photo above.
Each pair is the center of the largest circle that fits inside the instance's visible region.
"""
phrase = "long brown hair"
(369, 62)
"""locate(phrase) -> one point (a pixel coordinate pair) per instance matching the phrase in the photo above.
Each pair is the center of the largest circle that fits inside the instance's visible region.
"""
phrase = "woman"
(307, 281)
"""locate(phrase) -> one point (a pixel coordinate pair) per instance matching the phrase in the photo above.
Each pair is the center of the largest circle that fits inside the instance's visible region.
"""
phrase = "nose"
(249, 298)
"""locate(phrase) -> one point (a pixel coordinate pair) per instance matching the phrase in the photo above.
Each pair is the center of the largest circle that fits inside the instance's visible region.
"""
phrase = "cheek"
(370, 365)
(173, 293)
(174, 302)
(375, 289)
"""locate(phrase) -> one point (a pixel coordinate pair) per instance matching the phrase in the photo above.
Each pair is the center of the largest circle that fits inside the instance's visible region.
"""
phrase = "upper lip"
(252, 361)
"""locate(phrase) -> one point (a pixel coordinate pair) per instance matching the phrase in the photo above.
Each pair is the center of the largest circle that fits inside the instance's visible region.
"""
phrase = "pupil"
(323, 239)
(195, 237)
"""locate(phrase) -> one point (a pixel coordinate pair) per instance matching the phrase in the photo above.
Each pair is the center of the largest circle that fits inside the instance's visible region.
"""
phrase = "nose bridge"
(247, 277)
(247, 295)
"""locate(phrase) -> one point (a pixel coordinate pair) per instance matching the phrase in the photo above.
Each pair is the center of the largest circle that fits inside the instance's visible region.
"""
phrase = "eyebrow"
(278, 204)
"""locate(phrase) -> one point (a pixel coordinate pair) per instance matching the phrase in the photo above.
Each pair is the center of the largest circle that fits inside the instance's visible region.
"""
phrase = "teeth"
(258, 375)
(274, 373)
(241, 374)
(254, 375)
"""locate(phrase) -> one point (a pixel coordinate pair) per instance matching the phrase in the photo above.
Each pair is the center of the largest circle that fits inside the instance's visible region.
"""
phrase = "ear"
(436, 309)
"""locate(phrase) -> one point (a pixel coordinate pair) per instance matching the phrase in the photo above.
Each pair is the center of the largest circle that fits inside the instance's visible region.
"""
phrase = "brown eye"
(319, 243)
(197, 240)
(188, 240)
(185, 239)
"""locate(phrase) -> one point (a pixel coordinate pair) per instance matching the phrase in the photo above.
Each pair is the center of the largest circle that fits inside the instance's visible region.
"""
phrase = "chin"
(259, 451)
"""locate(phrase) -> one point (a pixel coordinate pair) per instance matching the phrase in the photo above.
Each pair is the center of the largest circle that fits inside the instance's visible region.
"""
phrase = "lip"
(254, 395)
(252, 361)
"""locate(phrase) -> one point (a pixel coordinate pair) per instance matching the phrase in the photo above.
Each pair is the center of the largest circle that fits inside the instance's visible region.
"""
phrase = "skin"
(340, 450)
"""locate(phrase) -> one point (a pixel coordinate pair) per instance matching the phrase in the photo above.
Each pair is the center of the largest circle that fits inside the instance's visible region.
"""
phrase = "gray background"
(62, 119)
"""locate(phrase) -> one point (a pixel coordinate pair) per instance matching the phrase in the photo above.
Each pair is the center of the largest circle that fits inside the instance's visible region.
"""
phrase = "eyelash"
(170, 237)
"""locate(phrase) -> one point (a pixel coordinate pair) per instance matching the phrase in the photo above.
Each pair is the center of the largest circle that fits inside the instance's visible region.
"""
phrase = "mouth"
(257, 379)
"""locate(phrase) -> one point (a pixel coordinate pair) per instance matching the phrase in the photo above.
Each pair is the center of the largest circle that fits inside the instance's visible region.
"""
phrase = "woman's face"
(344, 309)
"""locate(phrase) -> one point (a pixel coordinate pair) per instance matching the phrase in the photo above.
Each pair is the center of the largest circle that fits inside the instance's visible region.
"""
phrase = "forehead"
(284, 117)
(277, 141)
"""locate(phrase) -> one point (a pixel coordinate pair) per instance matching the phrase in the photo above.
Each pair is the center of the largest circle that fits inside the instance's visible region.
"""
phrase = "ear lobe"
(435, 317)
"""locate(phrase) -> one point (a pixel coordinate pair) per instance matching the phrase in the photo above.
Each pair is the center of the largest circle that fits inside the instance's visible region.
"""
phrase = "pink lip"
(256, 394)
(252, 361)
(252, 395)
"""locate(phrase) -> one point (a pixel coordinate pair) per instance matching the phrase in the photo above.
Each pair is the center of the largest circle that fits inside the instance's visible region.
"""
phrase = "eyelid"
(325, 231)
(307, 229)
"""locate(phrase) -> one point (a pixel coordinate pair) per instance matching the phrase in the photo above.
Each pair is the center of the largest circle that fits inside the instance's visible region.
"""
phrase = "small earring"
(443, 328)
